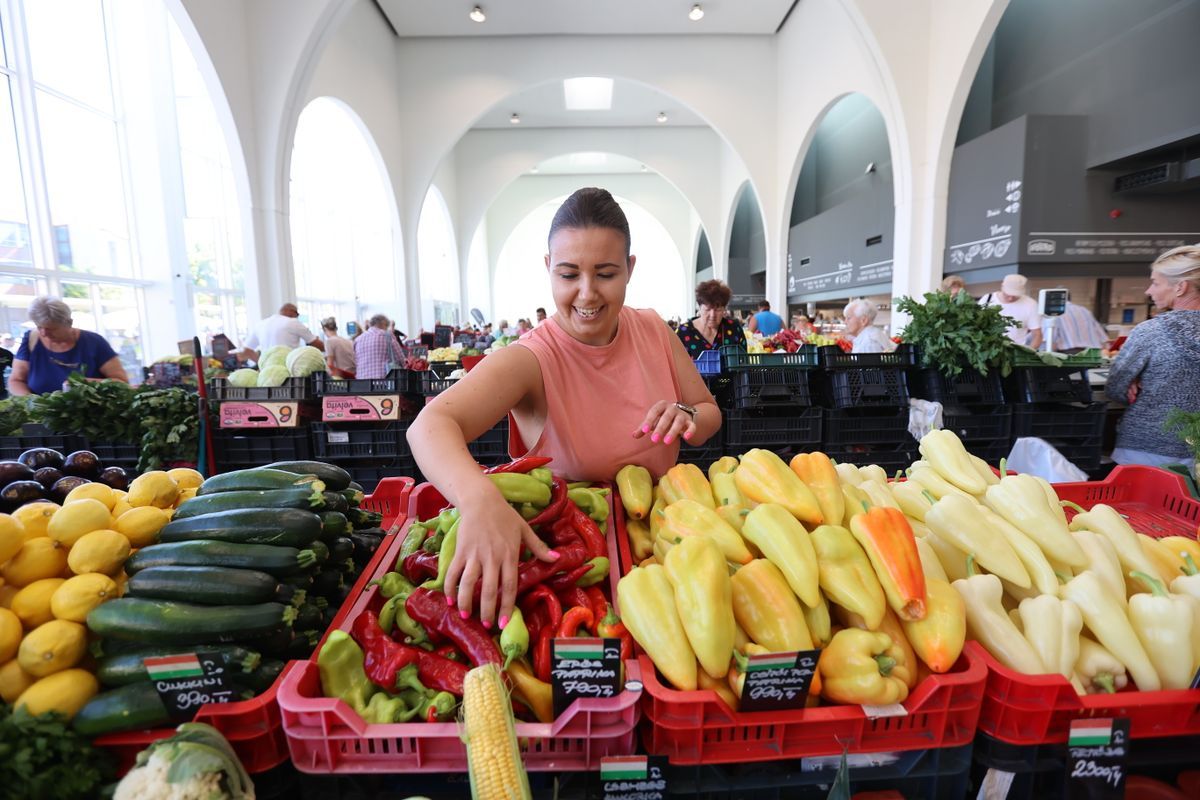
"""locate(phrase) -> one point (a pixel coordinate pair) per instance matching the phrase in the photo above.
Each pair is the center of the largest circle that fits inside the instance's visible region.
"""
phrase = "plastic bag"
(923, 416)
(1038, 457)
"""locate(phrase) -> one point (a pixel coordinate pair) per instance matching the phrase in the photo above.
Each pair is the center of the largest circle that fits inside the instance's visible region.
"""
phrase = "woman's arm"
(1126, 370)
(113, 369)
(491, 533)
(667, 423)
(18, 379)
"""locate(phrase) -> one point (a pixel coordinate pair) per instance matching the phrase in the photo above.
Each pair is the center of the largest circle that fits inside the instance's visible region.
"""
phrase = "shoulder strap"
(33, 340)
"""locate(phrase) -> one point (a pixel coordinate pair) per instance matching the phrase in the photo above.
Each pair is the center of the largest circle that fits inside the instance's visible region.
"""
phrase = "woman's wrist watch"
(689, 410)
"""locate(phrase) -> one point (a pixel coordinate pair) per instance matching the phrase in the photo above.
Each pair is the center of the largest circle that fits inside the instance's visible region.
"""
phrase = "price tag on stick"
(187, 681)
(778, 681)
(641, 777)
(1096, 750)
(584, 668)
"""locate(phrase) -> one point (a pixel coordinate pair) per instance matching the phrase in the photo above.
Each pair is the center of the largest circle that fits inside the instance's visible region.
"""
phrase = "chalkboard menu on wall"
(847, 247)
(986, 198)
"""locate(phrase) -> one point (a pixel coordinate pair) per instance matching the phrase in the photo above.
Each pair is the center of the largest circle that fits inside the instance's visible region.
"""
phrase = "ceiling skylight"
(588, 94)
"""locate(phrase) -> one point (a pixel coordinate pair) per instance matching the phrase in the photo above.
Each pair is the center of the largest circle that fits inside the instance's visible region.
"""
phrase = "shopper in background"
(712, 328)
(504, 329)
(953, 284)
(1077, 329)
(284, 328)
(485, 338)
(802, 325)
(1015, 303)
(55, 349)
(540, 313)
(1158, 368)
(377, 349)
(766, 321)
(861, 328)
(598, 386)
(339, 352)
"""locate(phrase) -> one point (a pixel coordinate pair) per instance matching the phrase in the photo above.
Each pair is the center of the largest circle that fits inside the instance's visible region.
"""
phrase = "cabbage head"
(243, 378)
(304, 361)
(273, 376)
(274, 356)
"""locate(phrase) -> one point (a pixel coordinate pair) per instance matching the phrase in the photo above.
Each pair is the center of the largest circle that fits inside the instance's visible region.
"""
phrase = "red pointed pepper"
(565, 580)
(541, 654)
(611, 627)
(587, 529)
(597, 602)
(574, 597)
(383, 658)
(554, 509)
(429, 609)
(573, 620)
(522, 464)
(542, 596)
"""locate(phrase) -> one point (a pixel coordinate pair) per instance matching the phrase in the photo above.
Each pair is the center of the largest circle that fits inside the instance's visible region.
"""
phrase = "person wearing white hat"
(1015, 303)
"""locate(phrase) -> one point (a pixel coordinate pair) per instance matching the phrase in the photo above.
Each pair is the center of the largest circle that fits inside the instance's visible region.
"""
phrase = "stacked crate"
(972, 406)
(489, 449)
(865, 399)
(1055, 404)
(257, 425)
(772, 401)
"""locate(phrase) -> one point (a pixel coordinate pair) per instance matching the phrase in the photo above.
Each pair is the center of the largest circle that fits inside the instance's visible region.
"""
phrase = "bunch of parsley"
(954, 333)
(41, 758)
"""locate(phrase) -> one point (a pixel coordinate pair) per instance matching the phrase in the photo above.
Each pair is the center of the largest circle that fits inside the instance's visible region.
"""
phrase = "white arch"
(435, 203)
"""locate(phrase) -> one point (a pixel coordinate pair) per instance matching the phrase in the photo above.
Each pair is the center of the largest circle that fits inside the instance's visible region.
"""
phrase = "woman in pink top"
(596, 387)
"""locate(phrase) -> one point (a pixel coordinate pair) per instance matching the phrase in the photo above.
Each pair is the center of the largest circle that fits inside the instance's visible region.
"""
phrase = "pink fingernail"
(688, 435)
(669, 439)
(487, 623)
(503, 622)
(645, 429)
(450, 600)
(554, 554)
(654, 438)
(462, 612)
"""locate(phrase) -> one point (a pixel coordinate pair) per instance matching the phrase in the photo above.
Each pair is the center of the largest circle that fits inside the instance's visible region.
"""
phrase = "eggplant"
(18, 493)
(37, 457)
(63, 487)
(48, 476)
(12, 471)
(83, 463)
(114, 478)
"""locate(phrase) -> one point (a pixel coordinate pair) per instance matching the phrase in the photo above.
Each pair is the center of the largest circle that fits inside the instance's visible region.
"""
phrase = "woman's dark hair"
(714, 294)
(591, 208)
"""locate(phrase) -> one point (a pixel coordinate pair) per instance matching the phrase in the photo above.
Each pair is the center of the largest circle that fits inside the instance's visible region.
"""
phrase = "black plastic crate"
(12, 446)
(861, 388)
(117, 454)
(722, 388)
(867, 426)
(979, 423)
(990, 452)
(436, 379)
(736, 358)
(891, 457)
(772, 386)
(834, 357)
(369, 477)
(1059, 420)
(235, 448)
(291, 390)
(395, 382)
(966, 388)
(770, 430)
(359, 442)
(1048, 385)
(492, 447)
(705, 454)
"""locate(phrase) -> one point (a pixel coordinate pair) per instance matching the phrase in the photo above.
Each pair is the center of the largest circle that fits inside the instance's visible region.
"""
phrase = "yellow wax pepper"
(1099, 671)
(1103, 561)
(724, 486)
(953, 560)
(878, 495)
(704, 599)
(891, 625)
(930, 564)
(1051, 498)
(734, 515)
(939, 638)
(820, 475)
(846, 574)
(736, 676)
(687, 517)
(1052, 627)
(722, 687)
(764, 478)
(636, 489)
(912, 498)
(849, 474)
(955, 519)
(766, 608)
(890, 545)
(946, 455)
(787, 545)
(1182, 544)
(1108, 522)
(931, 481)
(1041, 573)
(816, 618)
(1163, 622)
(662, 546)
(873, 472)
(856, 502)
(1168, 564)
(648, 610)
(1106, 618)
(641, 543)
(990, 625)
(686, 481)
(984, 471)
(656, 513)
(1189, 581)
(861, 667)
(1021, 500)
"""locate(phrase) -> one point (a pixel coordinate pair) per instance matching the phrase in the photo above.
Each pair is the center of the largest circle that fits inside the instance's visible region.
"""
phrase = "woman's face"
(588, 277)
(56, 333)
(711, 316)
(855, 323)
(1162, 292)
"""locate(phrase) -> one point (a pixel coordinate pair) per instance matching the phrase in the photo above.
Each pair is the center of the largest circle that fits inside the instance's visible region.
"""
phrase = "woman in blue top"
(55, 349)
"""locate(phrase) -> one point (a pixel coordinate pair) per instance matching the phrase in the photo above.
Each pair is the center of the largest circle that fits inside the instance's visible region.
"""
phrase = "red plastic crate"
(326, 735)
(1157, 502)
(390, 498)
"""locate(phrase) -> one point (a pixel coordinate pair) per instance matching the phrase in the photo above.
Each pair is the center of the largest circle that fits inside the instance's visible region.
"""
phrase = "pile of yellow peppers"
(762, 556)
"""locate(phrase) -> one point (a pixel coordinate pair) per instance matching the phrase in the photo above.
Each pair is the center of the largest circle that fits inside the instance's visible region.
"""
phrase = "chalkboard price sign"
(1096, 750)
(584, 668)
(777, 681)
(187, 681)
(633, 777)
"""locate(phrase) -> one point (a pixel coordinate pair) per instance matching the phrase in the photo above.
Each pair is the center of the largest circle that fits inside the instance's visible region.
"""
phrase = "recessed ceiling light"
(515, 119)
(588, 94)
(477, 14)
(662, 117)
(696, 14)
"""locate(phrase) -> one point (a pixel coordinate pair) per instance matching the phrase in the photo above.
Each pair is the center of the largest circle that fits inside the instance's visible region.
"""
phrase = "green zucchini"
(353, 496)
(303, 497)
(308, 618)
(356, 486)
(327, 584)
(129, 708)
(272, 559)
(302, 581)
(290, 527)
(169, 622)
(335, 478)
(321, 550)
(336, 501)
(359, 517)
(210, 586)
(334, 524)
(260, 679)
(258, 479)
(126, 668)
(341, 548)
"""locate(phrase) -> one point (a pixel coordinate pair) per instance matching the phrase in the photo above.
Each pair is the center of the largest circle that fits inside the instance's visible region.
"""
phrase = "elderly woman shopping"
(861, 328)
(54, 349)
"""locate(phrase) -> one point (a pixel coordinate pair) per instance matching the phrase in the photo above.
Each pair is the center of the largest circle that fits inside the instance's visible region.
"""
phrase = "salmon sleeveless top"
(596, 396)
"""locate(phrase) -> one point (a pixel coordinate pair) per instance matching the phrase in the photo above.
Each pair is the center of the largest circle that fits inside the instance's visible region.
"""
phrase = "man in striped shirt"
(1077, 329)
(376, 348)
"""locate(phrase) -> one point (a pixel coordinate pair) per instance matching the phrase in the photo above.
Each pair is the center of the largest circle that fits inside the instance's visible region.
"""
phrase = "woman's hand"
(665, 422)
(1132, 392)
(491, 535)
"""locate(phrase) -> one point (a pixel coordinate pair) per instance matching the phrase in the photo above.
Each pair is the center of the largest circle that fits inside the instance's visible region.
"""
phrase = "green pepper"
(395, 615)
(593, 502)
(438, 708)
(579, 485)
(597, 573)
(384, 710)
(392, 584)
(434, 543)
(340, 663)
(543, 474)
(445, 556)
(514, 639)
(528, 511)
(412, 540)
(518, 487)
(407, 678)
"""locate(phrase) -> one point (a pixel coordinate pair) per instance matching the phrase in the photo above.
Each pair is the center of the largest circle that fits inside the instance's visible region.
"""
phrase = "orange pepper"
(886, 536)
